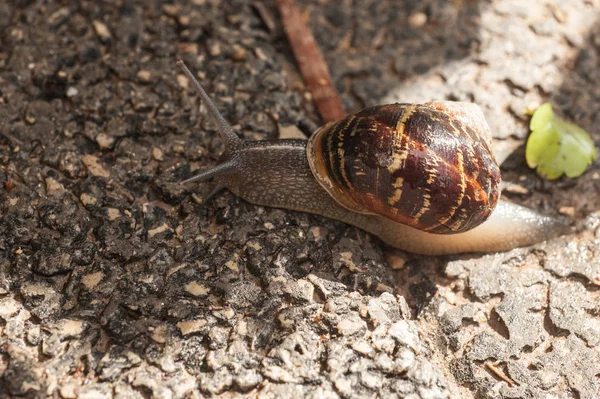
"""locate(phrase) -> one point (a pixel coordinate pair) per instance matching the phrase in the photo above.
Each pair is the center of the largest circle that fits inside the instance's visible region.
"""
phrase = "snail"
(421, 177)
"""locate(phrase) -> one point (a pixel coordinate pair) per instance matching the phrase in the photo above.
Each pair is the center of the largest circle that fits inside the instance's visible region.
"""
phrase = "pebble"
(417, 19)
(567, 211)
(72, 91)
(69, 328)
(157, 154)
(113, 214)
(68, 391)
(248, 379)
(87, 199)
(514, 188)
(90, 281)
(191, 326)
(94, 167)
(405, 332)
(363, 348)
(196, 289)
(8, 308)
(170, 9)
(157, 230)
(53, 187)
(101, 30)
(291, 132)
(351, 327)
(105, 141)
(239, 53)
(144, 76)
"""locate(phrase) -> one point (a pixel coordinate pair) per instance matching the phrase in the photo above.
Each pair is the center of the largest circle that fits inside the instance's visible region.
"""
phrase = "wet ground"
(117, 282)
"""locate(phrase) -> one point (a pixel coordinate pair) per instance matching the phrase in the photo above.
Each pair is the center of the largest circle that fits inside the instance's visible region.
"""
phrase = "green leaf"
(541, 117)
(557, 147)
(542, 146)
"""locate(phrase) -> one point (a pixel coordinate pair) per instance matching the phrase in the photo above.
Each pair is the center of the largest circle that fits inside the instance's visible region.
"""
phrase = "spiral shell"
(425, 165)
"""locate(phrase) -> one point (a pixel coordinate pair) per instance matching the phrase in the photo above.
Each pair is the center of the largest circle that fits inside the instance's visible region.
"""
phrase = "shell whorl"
(425, 165)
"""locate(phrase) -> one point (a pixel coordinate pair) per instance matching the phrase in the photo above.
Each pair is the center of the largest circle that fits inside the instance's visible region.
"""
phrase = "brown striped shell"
(425, 165)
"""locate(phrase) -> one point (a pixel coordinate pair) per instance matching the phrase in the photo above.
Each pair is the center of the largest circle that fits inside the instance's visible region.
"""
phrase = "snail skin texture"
(421, 177)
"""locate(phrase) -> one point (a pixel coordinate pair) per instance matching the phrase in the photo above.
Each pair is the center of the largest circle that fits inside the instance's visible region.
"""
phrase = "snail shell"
(428, 166)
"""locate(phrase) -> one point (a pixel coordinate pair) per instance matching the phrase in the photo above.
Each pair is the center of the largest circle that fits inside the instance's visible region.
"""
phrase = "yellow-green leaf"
(557, 147)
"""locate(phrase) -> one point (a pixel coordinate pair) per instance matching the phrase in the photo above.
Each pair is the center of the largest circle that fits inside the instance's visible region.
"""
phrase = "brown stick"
(311, 62)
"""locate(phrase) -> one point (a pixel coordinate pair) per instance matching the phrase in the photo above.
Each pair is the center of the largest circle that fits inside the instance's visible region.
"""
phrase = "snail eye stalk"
(231, 140)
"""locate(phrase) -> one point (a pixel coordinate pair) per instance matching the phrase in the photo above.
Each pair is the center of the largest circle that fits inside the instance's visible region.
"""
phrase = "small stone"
(113, 214)
(102, 31)
(184, 20)
(53, 186)
(344, 385)
(351, 327)
(68, 328)
(105, 141)
(516, 189)
(72, 92)
(191, 326)
(216, 382)
(318, 233)
(404, 360)
(170, 9)
(58, 17)
(188, 48)
(95, 391)
(160, 334)
(144, 76)
(67, 391)
(405, 332)
(371, 380)
(363, 348)
(290, 132)
(87, 199)
(94, 167)
(214, 49)
(239, 53)
(383, 310)
(396, 260)
(157, 154)
(9, 307)
(417, 19)
(248, 379)
(384, 362)
(92, 280)
(33, 335)
(567, 211)
(384, 344)
(52, 346)
(182, 81)
(547, 379)
(160, 229)
(196, 289)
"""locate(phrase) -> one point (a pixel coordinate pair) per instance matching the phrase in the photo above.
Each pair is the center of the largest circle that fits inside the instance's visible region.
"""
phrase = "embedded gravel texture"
(115, 281)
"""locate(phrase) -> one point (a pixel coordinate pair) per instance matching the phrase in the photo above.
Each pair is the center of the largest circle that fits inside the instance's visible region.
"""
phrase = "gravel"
(115, 281)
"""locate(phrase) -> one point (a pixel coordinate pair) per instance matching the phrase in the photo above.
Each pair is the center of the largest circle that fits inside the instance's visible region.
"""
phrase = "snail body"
(421, 177)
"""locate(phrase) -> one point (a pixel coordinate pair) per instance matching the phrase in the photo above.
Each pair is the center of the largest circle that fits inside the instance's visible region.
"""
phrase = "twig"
(499, 373)
(311, 62)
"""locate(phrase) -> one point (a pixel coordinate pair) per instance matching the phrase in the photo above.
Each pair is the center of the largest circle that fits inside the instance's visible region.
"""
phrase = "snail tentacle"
(231, 140)
(221, 169)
